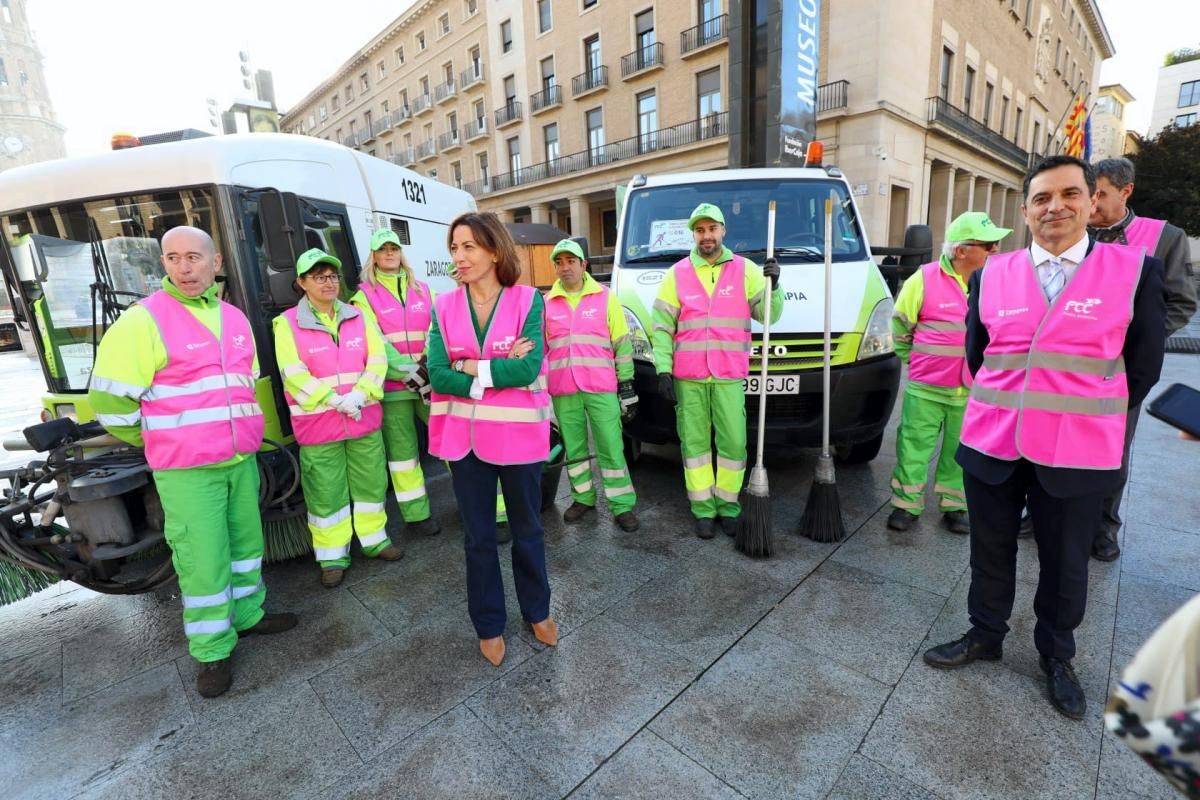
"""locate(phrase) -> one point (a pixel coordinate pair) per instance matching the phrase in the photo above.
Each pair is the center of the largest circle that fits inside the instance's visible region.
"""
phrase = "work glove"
(629, 400)
(349, 404)
(418, 379)
(666, 387)
(771, 271)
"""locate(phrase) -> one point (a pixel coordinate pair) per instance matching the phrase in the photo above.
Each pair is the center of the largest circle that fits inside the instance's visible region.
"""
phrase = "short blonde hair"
(368, 271)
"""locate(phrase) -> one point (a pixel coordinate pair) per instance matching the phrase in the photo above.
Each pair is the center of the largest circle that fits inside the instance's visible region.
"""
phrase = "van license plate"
(776, 384)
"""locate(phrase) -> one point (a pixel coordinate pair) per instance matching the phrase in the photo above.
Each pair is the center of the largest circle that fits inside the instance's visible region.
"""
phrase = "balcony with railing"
(955, 120)
(449, 141)
(401, 115)
(710, 32)
(427, 150)
(444, 91)
(697, 131)
(833, 96)
(381, 125)
(476, 129)
(351, 140)
(471, 76)
(642, 60)
(406, 157)
(509, 113)
(421, 103)
(548, 98)
(593, 80)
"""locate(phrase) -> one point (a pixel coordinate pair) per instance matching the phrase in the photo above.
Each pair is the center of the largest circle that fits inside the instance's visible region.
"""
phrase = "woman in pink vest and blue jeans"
(490, 417)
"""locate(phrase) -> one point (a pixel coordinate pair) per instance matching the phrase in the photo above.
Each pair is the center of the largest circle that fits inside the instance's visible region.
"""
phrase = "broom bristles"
(822, 520)
(286, 538)
(17, 583)
(754, 527)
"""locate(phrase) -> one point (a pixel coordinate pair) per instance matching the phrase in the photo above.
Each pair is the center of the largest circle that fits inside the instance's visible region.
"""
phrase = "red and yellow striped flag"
(1075, 129)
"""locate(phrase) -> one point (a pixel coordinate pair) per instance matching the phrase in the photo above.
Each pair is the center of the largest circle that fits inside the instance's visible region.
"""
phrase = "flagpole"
(1071, 105)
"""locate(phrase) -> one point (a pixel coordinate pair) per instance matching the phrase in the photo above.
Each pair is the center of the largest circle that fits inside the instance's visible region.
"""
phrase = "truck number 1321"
(413, 191)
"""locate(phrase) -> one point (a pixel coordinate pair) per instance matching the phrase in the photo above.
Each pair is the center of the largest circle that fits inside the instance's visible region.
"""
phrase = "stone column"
(951, 187)
(581, 220)
(983, 193)
(505, 215)
(540, 213)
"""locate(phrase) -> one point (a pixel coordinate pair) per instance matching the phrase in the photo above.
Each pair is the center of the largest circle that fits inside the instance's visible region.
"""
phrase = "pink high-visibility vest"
(1052, 386)
(1145, 232)
(712, 333)
(404, 324)
(506, 426)
(339, 364)
(579, 345)
(939, 350)
(200, 408)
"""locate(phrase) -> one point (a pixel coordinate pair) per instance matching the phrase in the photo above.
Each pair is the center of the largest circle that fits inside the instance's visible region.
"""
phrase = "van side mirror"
(917, 237)
(282, 222)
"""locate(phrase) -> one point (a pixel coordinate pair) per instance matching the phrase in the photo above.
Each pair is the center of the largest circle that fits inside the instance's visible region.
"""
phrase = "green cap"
(975, 226)
(310, 258)
(567, 246)
(382, 237)
(705, 211)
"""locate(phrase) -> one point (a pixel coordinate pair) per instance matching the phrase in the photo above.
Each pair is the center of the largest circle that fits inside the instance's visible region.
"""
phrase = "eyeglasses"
(331, 277)
(989, 246)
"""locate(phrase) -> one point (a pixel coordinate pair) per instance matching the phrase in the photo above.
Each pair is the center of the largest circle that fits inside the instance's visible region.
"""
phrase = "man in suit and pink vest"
(1062, 339)
(176, 374)
(591, 360)
(1113, 221)
(930, 329)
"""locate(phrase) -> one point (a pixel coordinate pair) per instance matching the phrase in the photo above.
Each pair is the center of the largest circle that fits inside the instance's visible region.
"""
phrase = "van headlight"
(638, 338)
(877, 338)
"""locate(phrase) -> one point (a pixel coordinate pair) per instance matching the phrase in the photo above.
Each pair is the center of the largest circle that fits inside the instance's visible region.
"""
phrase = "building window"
(1184, 120)
(589, 4)
(420, 41)
(337, 102)
(1189, 94)
(383, 109)
(989, 93)
(510, 91)
(364, 85)
(388, 152)
(323, 113)
(476, 63)
(608, 227)
(545, 22)
(547, 67)
(946, 71)
(452, 123)
(443, 24)
(506, 36)
(644, 25)
(381, 69)
(456, 174)
(424, 83)
(480, 115)
(968, 90)
(647, 111)
(708, 99)
(400, 56)
(349, 92)
(1037, 132)
(514, 154)
(595, 134)
(482, 160)
(448, 73)
(1017, 126)
(591, 59)
(1003, 115)
(550, 134)
(312, 122)
(1058, 54)
(404, 98)
(367, 122)
(472, 7)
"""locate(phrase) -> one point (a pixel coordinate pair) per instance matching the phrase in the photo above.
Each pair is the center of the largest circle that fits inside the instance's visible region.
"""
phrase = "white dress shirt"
(1070, 259)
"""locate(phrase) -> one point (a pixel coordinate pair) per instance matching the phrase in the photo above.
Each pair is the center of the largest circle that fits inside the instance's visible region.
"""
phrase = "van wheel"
(860, 453)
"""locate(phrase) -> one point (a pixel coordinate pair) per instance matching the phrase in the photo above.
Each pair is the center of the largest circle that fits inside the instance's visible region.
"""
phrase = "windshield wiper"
(809, 253)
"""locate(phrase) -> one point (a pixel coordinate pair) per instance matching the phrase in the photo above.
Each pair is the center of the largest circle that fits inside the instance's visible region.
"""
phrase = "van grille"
(802, 353)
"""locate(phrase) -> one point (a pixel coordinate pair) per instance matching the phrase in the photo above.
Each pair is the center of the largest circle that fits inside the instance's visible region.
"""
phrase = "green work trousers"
(922, 420)
(214, 529)
(601, 412)
(345, 485)
(703, 407)
(403, 461)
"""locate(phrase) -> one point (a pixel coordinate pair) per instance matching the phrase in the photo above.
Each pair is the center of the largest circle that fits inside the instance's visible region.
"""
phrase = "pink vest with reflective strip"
(712, 333)
(939, 351)
(200, 408)
(338, 364)
(1052, 386)
(507, 426)
(405, 324)
(1145, 232)
(579, 345)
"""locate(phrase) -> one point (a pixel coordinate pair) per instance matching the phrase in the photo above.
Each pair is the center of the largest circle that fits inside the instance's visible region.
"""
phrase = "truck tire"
(860, 453)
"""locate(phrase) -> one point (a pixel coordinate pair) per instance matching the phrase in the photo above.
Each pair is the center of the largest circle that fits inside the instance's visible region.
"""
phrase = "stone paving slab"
(120, 648)
(30, 687)
(863, 779)
(1168, 554)
(647, 768)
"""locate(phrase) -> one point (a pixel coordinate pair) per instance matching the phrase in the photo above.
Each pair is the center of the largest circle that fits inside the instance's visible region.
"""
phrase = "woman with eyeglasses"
(930, 330)
(332, 363)
(490, 418)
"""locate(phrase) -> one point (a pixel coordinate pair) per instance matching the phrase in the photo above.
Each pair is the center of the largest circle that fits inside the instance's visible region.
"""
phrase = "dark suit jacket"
(1144, 345)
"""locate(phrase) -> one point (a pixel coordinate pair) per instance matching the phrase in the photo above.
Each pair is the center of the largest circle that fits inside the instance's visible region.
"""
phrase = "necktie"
(1054, 279)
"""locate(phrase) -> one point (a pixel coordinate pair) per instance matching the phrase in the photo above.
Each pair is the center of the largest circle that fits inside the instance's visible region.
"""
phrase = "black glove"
(629, 400)
(419, 379)
(666, 387)
(771, 271)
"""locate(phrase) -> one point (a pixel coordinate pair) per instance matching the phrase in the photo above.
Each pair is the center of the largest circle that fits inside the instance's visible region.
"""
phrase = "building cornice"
(1096, 23)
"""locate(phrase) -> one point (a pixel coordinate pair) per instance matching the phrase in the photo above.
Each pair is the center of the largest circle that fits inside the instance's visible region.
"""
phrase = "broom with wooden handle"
(754, 525)
(822, 520)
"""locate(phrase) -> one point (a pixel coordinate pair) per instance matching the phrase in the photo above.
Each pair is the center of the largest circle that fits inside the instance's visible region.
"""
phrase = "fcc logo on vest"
(1082, 309)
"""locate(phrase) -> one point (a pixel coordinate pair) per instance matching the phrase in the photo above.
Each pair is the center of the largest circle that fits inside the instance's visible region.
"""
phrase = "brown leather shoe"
(627, 521)
(332, 577)
(576, 512)
(545, 631)
(392, 552)
(271, 623)
(215, 677)
(492, 649)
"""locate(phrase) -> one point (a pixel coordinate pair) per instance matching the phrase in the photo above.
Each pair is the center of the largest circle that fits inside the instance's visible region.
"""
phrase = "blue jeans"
(474, 488)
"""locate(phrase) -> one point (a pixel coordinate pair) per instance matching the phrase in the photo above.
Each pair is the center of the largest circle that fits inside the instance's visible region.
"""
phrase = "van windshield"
(656, 220)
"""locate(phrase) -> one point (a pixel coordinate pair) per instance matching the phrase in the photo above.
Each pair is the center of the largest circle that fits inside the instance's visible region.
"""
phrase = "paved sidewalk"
(684, 670)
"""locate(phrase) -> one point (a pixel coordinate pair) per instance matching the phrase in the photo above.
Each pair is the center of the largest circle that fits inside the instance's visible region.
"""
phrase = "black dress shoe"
(728, 525)
(900, 520)
(1026, 529)
(1105, 547)
(706, 527)
(961, 652)
(1066, 695)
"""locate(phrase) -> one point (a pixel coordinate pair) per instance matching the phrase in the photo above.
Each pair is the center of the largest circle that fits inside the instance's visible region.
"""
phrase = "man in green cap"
(591, 383)
(930, 329)
(701, 339)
